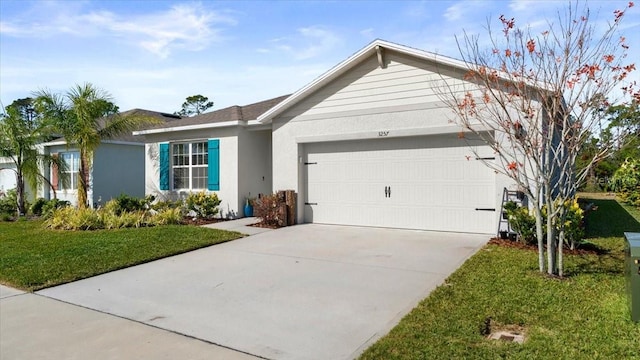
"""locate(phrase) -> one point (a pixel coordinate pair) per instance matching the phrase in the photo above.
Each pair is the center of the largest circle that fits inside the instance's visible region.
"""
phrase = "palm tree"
(21, 130)
(85, 115)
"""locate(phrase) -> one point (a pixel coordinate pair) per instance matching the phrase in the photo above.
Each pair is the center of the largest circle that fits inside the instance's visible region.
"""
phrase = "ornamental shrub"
(36, 208)
(9, 204)
(574, 223)
(203, 204)
(126, 203)
(269, 209)
(45, 208)
(167, 216)
(523, 222)
(626, 182)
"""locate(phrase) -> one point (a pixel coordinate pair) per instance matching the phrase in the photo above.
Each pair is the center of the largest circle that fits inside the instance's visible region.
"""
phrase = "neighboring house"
(225, 151)
(117, 166)
(7, 175)
(370, 143)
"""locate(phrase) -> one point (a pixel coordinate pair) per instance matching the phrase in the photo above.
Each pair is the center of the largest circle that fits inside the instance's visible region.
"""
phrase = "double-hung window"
(190, 165)
(71, 173)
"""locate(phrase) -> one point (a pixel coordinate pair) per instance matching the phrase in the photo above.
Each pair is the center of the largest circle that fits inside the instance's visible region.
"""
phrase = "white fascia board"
(116, 142)
(347, 64)
(54, 143)
(191, 127)
(5, 160)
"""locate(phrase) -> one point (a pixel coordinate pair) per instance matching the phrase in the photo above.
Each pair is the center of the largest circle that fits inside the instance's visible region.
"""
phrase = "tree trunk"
(540, 237)
(20, 202)
(560, 254)
(561, 237)
(83, 181)
(551, 249)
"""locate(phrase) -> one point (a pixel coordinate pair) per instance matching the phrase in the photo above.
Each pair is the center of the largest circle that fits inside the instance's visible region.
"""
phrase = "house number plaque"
(383, 133)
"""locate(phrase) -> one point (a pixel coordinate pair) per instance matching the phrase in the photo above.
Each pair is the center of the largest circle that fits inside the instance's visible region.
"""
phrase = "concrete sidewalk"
(240, 225)
(36, 327)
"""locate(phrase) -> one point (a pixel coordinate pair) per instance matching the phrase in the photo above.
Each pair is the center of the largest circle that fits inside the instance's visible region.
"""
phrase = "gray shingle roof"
(166, 118)
(231, 113)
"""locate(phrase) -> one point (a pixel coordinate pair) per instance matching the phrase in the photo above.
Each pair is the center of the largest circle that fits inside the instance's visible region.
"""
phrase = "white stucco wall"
(254, 168)
(231, 199)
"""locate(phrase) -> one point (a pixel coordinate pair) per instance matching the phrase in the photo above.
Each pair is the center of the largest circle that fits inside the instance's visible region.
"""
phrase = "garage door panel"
(434, 185)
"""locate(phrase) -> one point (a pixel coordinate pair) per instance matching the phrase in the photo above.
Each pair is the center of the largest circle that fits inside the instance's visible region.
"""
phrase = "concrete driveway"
(304, 292)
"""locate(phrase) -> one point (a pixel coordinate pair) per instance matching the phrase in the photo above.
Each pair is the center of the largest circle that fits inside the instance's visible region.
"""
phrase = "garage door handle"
(485, 209)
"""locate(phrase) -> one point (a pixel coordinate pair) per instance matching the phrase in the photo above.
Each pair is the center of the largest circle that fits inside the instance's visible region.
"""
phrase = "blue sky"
(153, 54)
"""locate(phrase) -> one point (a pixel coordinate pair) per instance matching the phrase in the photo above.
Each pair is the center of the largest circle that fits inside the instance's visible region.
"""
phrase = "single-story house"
(368, 143)
(117, 166)
(226, 151)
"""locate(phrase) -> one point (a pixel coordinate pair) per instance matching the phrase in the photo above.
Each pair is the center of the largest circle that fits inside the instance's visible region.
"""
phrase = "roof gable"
(376, 48)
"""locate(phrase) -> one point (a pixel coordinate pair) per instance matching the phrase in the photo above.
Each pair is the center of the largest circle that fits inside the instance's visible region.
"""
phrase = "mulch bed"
(523, 246)
(200, 221)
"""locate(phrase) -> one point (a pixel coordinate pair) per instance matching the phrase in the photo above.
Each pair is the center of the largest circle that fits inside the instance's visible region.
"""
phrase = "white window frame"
(190, 166)
(71, 172)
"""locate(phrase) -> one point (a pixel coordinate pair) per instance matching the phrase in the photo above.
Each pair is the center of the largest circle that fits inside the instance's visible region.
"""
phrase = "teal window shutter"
(214, 165)
(164, 166)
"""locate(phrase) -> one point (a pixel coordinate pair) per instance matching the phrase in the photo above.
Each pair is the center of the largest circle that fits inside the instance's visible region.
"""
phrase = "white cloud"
(308, 42)
(454, 12)
(318, 41)
(188, 27)
(368, 33)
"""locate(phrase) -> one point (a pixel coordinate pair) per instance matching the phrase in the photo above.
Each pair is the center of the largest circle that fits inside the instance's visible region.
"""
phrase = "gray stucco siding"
(118, 169)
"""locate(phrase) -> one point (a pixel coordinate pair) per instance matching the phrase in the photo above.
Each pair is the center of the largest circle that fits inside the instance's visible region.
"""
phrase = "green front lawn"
(584, 316)
(32, 257)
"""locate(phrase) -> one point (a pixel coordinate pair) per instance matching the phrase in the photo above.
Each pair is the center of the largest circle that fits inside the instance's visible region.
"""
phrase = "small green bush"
(167, 204)
(126, 203)
(9, 204)
(524, 223)
(50, 206)
(626, 182)
(167, 217)
(36, 208)
(205, 205)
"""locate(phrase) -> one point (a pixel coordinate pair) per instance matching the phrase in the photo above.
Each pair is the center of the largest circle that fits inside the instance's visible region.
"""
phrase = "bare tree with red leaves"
(536, 98)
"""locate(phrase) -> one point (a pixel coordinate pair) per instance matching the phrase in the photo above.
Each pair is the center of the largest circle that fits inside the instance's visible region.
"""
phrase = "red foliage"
(531, 45)
(508, 24)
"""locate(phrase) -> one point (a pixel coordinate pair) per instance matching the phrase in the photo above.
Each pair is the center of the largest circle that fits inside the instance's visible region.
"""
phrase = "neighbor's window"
(189, 164)
(72, 159)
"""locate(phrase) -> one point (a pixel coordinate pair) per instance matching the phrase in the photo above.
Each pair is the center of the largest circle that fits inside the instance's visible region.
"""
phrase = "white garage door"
(427, 182)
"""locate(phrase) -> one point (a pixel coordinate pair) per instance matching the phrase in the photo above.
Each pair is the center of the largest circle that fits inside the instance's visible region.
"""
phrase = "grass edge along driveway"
(585, 316)
(33, 258)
